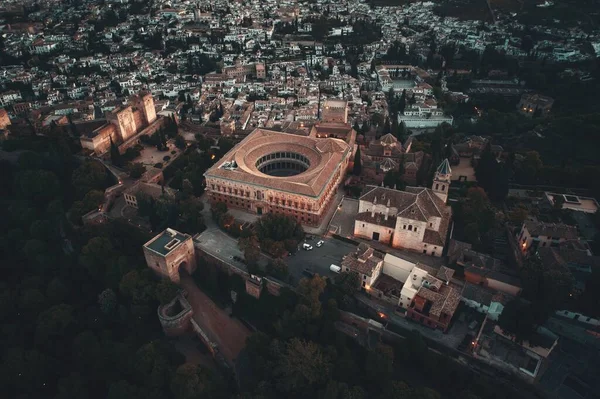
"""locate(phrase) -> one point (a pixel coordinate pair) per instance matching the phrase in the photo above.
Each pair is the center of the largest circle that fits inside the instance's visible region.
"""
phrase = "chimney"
(373, 212)
(375, 200)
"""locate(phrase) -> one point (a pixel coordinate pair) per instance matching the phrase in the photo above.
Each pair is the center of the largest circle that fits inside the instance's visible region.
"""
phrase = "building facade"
(434, 303)
(335, 111)
(534, 235)
(366, 263)
(416, 218)
(169, 253)
(535, 105)
(281, 173)
(123, 123)
(152, 190)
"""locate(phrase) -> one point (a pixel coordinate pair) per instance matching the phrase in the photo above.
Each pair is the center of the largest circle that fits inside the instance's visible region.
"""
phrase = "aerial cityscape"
(259, 199)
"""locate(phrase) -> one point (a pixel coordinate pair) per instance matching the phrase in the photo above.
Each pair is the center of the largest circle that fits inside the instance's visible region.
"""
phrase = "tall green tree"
(402, 102)
(486, 167)
(115, 155)
(357, 168)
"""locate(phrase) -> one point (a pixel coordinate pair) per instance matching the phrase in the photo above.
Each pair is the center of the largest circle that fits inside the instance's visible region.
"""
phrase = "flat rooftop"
(574, 202)
(166, 241)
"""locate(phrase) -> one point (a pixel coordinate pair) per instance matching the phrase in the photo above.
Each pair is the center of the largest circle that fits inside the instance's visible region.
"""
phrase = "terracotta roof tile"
(324, 155)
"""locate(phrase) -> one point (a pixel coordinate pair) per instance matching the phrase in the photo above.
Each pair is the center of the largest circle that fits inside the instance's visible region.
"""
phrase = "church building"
(416, 218)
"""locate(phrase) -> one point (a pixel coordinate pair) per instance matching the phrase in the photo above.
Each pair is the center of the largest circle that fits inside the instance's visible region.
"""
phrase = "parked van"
(335, 268)
(307, 247)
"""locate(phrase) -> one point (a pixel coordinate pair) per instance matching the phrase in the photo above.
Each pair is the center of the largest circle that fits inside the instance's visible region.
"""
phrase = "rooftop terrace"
(166, 241)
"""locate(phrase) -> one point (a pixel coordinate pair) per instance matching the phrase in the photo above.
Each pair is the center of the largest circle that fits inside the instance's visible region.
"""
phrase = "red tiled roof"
(325, 155)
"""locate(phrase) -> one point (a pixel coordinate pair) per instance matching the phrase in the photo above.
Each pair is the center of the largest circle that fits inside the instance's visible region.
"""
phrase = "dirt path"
(229, 333)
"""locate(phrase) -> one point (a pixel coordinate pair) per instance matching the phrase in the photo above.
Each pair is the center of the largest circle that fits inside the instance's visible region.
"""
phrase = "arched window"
(443, 188)
(437, 186)
(410, 227)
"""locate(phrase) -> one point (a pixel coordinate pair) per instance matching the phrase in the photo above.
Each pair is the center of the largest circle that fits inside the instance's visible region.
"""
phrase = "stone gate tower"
(170, 253)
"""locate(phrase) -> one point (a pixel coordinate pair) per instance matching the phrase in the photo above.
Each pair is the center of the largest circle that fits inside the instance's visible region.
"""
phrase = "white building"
(423, 116)
(416, 219)
(366, 263)
(534, 235)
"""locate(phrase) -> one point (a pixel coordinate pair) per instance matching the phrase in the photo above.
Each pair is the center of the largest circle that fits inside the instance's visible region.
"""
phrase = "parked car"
(308, 272)
(320, 243)
(335, 268)
(307, 247)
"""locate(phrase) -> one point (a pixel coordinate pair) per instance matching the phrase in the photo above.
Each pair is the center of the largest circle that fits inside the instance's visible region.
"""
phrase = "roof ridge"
(421, 210)
(433, 201)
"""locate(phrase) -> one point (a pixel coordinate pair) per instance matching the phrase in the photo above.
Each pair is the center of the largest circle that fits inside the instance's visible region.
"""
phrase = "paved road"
(229, 333)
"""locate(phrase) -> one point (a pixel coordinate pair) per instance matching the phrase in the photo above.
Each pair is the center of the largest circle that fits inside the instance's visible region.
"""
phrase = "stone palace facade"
(282, 173)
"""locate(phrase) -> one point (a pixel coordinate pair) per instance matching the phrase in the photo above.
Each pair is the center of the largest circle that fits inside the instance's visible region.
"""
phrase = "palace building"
(122, 124)
(282, 173)
(416, 218)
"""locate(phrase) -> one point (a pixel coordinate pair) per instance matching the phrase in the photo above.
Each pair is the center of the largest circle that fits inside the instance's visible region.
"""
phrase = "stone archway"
(184, 267)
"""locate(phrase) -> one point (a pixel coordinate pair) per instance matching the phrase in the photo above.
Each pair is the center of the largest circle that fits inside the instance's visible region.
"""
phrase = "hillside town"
(356, 199)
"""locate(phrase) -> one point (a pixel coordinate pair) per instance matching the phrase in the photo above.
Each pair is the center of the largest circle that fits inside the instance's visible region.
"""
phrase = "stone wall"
(272, 286)
(150, 130)
(100, 143)
(366, 230)
(179, 323)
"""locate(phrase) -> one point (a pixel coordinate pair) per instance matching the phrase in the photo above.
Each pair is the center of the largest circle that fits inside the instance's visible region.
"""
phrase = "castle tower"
(441, 180)
(171, 253)
(335, 111)
(148, 108)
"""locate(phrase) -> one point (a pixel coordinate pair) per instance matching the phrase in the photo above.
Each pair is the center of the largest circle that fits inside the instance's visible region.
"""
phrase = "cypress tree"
(357, 163)
(115, 155)
(401, 132)
(486, 168)
(402, 102)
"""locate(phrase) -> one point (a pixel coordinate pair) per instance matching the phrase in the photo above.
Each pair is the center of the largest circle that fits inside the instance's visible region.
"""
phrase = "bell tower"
(441, 180)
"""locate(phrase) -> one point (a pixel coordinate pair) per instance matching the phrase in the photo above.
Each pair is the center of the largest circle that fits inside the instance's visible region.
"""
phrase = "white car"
(306, 247)
(320, 243)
